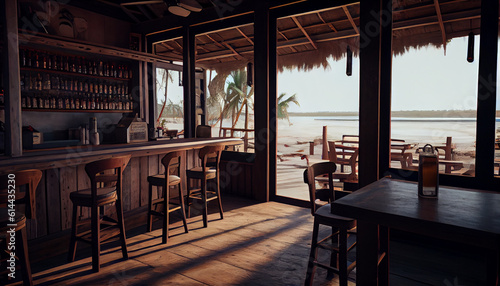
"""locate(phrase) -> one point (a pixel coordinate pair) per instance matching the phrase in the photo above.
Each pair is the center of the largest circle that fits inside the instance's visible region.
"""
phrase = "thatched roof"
(306, 41)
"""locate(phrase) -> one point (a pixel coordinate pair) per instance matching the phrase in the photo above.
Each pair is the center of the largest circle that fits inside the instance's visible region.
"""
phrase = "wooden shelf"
(77, 110)
(31, 69)
(60, 43)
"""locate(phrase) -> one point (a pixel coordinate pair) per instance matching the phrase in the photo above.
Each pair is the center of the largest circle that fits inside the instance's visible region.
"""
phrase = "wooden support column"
(150, 101)
(385, 86)
(487, 92)
(273, 104)
(188, 82)
(369, 92)
(262, 100)
(11, 79)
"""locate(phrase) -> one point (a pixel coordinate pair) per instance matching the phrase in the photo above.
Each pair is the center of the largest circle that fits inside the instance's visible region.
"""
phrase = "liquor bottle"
(29, 61)
(37, 62)
(92, 102)
(44, 61)
(23, 100)
(22, 83)
(100, 70)
(84, 66)
(79, 65)
(53, 102)
(73, 64)
(39, 82)
(67, 102)
(77, 101)
(46, 100)
(120, 71)
(60, 102)
(55, 66)
(23, 57)
(29, 101)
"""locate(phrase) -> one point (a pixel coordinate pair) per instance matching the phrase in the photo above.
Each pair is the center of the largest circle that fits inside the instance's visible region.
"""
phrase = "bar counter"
(64, 172)
(71, 156)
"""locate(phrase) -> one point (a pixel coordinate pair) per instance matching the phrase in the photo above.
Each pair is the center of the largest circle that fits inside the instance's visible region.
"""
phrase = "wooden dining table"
(467, 216)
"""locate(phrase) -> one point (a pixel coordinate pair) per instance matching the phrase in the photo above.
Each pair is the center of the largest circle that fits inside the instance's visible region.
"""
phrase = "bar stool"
(106, 189)
(203, 131)
(165, 182)
(17, 222)
(342, 227)
(204, 173)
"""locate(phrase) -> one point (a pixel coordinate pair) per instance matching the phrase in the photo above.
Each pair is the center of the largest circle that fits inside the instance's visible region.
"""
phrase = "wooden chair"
(342, 227)
(203, 131)
(106, 189)
(205, 173)
(30, 179)
(165, 182)
(344, 156)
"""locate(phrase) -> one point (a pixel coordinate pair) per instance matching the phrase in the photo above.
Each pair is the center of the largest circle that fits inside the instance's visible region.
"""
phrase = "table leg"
(366, 254)
(383, 268)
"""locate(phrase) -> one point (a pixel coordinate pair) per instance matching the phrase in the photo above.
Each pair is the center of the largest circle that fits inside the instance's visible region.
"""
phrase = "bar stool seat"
(158, 180)
(103, 196)
(164, 182)
(106, 189)
(209, 170)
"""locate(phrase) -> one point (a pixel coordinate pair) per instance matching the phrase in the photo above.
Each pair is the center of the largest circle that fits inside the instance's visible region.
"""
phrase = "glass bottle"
(428, 170)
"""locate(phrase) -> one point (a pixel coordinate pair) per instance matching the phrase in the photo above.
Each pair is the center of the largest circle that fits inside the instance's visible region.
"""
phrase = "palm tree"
(238, 90)
(283, 105)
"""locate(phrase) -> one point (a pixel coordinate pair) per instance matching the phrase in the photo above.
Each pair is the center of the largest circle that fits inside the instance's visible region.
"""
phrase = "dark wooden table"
(466, 216)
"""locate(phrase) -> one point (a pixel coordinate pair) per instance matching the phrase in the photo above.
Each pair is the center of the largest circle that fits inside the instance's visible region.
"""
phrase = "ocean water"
(419, 131)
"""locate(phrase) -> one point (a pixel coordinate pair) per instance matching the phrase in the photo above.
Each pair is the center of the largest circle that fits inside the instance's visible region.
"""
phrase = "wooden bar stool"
(207, 171)
(106, 189)
(342, 227)
(165, 182)
(17, 222)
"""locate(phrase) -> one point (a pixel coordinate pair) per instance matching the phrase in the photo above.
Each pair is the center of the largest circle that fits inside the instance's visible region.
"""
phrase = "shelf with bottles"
(72, 65)
(51, 100)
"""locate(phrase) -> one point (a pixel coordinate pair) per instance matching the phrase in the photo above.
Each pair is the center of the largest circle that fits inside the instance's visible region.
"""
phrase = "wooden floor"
(255, 244)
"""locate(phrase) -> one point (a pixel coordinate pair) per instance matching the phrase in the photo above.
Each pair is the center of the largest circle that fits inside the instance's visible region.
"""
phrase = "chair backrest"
(168, 160)
(211, 154)
(31, 179)
(316, 170)
(203, 131)
(95, 170)
(343, 155)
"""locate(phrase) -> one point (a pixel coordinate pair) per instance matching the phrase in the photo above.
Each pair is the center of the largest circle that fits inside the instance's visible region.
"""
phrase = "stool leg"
(121, 226)
(217, 189)
(311, 266)
(181, 202)
(188, 200)
(150, 207)
(333, 254)
(342, 256)
(96, 238)
(166, 210)
(72, 243)
(204, 201)
(25, 261)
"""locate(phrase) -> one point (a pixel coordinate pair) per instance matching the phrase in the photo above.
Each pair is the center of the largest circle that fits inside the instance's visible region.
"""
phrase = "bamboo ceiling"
(306, 41)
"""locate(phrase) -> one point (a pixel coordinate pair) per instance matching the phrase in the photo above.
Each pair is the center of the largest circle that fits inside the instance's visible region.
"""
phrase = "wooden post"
(11, 79)
(262, 124)
(188, 82)
(324, 154)
(487, 93)
(311, 148)
(369, 91)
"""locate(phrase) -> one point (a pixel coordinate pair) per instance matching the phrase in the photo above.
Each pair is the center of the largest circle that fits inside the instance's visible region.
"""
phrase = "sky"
(423, 79)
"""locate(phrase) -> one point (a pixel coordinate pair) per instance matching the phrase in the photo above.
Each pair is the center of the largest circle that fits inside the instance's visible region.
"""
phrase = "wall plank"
(135, 190)
(41, 207)
(144, 169)
(53, 200)
(68, 184)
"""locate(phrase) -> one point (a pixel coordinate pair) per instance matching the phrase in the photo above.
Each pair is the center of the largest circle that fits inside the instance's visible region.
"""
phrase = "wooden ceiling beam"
(214, 41)
(246, 37)
(353, 24)
(324, 22)
(304, 32)
(441, 24)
